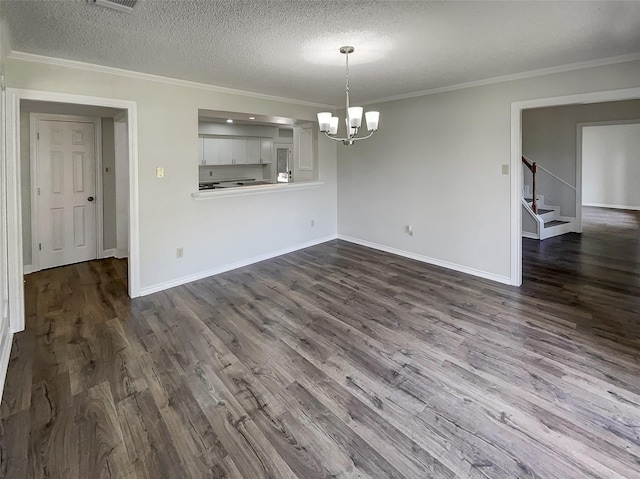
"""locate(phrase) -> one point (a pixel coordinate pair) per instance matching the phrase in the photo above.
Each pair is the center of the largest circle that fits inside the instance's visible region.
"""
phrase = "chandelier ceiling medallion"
(329, 124)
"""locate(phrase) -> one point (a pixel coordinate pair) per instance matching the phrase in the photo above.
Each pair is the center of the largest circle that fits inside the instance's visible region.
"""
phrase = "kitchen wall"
(266, 172)
(549, 138)
(216, 233)
(611, 166)
(436, 164)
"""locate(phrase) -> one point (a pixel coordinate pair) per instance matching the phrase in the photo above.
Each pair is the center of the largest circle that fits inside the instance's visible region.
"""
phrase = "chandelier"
(329, 124)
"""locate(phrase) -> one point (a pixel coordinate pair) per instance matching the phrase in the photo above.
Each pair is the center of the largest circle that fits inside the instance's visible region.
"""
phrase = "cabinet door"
(266, 146)
(239, 151)
(201, 151)
(253, 151)
(226, 151)
(211, 151)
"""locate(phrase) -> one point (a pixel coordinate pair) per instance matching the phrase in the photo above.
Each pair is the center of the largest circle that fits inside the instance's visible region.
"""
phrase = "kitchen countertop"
(234, 183)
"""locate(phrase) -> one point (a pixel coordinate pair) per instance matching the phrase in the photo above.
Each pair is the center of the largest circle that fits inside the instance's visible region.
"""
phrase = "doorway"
(283, 156)
(608, 156)
(16, 183)
(516, 160)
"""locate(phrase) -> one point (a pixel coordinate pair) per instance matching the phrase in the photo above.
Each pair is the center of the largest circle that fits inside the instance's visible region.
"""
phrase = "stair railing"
(533, 167)
(555, 176)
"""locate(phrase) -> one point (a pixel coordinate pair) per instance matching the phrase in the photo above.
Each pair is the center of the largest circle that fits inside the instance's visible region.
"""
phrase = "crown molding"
(515, 76)
(30, 57)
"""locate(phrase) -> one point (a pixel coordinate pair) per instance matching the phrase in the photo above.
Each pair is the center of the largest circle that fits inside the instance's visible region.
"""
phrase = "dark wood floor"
(336, 361)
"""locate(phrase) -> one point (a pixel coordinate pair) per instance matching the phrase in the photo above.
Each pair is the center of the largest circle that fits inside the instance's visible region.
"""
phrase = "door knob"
(90, 198)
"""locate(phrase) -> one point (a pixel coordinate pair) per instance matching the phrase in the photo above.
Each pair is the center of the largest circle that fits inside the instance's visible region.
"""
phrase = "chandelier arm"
(350, 138)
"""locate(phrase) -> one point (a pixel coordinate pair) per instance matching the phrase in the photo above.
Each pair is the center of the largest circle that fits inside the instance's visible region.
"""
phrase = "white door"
(66, 189)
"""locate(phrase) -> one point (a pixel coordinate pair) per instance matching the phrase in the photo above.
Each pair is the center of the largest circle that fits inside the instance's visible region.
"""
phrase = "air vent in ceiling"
(120, 5)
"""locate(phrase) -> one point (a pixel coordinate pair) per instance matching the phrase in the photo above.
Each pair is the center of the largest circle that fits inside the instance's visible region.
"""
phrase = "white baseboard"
(615, 207)
(427, 259)
(526, 234)
(108, 253)
(121, 253)
(231, 266)
(27, 269)
(5, 352)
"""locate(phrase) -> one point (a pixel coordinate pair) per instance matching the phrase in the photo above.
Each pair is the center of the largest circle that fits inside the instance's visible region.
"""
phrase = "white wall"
(214, 233)
(611, 166)
(549, 138)
(436, 164)
(6, 337)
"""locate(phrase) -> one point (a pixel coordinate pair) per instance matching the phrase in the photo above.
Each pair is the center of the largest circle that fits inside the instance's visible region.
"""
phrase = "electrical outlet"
(410, 230)
(211, 173)
(179, 252)
(160, 172)
(313, 223)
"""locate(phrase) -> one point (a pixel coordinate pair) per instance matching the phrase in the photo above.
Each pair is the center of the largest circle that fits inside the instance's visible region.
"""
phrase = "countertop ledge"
(254, 190)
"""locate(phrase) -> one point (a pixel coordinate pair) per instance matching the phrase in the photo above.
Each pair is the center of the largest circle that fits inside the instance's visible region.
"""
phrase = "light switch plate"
(160, 172)
(505, 169)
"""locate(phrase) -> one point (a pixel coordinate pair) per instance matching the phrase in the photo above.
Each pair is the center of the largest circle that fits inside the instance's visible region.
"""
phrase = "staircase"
(550, 223)
(547, 221)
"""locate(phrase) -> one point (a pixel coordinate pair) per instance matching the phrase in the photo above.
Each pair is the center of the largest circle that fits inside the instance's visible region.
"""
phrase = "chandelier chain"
(347, 62)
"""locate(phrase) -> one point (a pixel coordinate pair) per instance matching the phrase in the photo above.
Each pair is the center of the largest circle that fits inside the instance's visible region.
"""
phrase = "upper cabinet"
(201, 151)
(266, 146)
(226, 151)
(240, 151)
(211, 151)
(253, 150)
(234, 151)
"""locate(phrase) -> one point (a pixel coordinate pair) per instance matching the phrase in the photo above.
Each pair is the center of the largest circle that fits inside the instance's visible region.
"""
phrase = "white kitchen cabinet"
(211, 151)
(253, 151)
(266, 146)
(239, 151)
(201, 151)
(226, 151)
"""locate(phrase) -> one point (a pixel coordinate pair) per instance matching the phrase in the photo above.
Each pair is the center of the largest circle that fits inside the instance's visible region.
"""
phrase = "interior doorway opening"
(517, 183)
(73, 165)
(118, 226)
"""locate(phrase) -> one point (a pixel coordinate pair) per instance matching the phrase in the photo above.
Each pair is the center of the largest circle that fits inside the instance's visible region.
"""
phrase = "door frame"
(33, 155)
(14, 208)
(515, 232)
(274, 156)
(579, 128)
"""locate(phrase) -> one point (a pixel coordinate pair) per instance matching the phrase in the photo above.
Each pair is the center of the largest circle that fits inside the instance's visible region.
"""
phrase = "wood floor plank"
(336, 361)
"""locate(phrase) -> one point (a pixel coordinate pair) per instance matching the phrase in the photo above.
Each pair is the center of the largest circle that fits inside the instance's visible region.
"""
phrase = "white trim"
(516, 76)
(14, 213)
(427, 259)
(107, 253)
(579, 202)
(121, 253)
(28, 269)
(516, 162)
(526, 234)
(613, 207)
(254, 190)
(231, 266)
(30, 57)
(5, 354)
(34, 117)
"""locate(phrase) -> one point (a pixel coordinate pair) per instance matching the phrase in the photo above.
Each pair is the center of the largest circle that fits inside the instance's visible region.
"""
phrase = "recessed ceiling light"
(252, 118)
(229, 120)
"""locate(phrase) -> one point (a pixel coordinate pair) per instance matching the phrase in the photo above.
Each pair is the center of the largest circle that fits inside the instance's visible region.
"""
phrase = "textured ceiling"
(289, 48)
